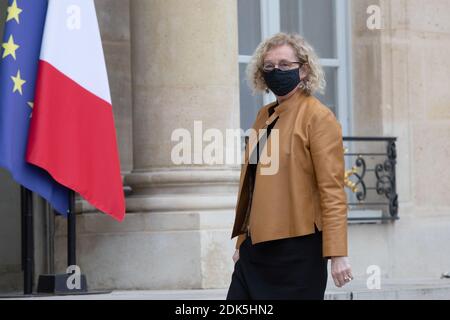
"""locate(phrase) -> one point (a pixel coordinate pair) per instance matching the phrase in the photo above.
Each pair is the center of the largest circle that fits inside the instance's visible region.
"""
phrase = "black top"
(263, 139)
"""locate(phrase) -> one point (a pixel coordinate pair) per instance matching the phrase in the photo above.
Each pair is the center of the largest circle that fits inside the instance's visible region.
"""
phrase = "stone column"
(184, 69)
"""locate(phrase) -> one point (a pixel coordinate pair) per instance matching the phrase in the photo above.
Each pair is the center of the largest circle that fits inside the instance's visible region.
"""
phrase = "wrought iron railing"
(370, 178)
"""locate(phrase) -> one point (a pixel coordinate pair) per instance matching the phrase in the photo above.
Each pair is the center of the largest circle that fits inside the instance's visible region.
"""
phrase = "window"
(323, 23)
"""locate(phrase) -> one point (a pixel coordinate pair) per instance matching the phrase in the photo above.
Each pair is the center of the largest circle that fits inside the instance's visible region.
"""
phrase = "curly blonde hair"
(315, 78)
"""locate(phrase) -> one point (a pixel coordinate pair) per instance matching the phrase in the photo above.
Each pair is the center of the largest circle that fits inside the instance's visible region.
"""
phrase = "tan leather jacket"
(308, 187)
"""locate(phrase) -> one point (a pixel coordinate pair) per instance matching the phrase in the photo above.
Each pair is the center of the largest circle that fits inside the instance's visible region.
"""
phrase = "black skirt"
(285, 269)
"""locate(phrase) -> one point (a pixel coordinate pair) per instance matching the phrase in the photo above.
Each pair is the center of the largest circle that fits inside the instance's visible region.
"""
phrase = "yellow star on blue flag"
(13, 12)
(9, 48)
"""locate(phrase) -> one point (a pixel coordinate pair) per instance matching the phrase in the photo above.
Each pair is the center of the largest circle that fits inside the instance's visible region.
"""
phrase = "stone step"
(417, 289)
(390, 289)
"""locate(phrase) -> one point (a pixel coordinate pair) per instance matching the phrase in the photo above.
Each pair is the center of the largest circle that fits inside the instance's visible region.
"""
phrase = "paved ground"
(390, 289)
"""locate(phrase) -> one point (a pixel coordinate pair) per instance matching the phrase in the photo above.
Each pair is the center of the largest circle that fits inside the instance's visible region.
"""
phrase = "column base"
(176, 234)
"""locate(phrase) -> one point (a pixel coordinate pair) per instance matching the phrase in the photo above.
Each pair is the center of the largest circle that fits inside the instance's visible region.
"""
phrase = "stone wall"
(401, 89)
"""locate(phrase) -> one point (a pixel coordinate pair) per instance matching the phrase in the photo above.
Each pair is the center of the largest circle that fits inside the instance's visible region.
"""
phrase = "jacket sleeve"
(327, 153)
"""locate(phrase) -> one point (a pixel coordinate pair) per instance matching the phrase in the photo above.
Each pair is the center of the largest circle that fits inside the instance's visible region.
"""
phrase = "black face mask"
(282, 82)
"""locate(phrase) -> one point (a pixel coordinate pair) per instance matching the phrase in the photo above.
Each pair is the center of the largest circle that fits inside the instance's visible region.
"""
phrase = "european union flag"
(19, 58)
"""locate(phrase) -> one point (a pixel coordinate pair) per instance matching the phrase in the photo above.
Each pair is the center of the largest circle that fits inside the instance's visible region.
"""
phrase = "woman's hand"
(236, 256)
(341, 271)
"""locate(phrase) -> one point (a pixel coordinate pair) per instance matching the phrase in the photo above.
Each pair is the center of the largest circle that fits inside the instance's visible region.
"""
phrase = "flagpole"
(71, 231)
(26, 197)
(59, 283)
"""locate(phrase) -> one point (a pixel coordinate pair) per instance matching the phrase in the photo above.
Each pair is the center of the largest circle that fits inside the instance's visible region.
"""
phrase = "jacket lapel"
(243, 185)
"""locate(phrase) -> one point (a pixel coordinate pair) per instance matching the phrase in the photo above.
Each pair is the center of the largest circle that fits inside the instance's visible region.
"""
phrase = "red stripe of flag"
(72, 136)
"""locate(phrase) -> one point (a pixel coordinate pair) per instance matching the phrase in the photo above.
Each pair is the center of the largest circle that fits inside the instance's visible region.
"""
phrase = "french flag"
(72, 134)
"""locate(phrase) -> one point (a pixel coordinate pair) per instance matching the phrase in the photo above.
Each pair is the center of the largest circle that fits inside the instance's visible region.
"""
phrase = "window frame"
(270, 24)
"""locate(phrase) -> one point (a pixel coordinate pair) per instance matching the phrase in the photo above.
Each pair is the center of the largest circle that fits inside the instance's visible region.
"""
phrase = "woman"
(289, 223)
